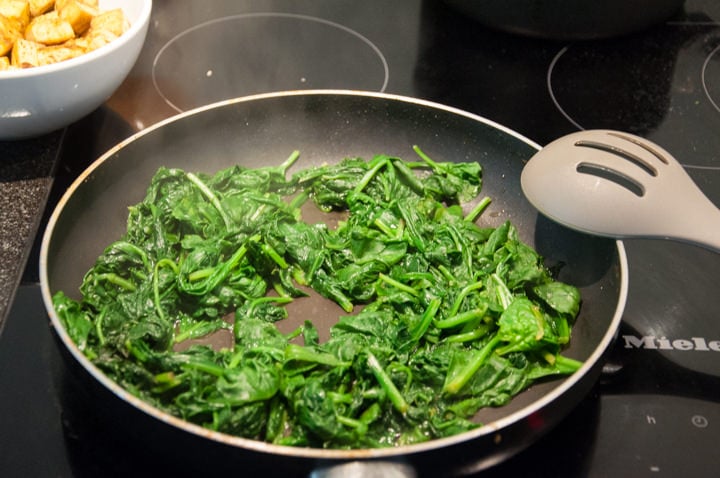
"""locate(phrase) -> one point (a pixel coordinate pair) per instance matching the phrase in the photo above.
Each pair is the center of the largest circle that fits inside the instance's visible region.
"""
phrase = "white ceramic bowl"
(38, 100)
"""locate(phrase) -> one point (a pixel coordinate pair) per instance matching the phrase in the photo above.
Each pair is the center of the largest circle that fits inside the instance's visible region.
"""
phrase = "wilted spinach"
(454, 317)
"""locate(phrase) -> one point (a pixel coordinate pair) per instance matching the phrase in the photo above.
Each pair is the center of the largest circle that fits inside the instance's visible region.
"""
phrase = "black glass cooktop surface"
(656, 409)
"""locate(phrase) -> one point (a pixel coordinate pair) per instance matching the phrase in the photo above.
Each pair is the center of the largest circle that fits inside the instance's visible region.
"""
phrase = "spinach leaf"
(443, 315)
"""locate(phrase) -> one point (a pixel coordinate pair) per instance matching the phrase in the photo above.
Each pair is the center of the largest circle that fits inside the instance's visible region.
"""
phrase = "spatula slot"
(621, 153)
(613, 175)
(642, 145)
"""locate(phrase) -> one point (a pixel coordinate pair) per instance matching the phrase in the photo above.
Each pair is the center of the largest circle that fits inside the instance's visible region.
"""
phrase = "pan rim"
(306, 452)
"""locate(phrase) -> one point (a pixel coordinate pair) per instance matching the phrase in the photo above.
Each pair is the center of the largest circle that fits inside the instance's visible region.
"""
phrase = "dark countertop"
(26, 177)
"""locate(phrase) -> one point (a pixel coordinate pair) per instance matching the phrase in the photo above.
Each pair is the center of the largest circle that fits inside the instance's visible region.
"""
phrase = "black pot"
(568, 19)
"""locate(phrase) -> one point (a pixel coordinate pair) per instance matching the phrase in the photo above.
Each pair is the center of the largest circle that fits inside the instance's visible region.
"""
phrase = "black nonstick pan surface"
(327, 126)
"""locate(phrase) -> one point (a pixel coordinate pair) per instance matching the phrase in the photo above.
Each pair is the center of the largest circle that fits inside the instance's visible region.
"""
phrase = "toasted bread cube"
(40, 32)
(57, 53)
(60, 4)
(113, 21)
(9, 33)
(95, 39)
(16, 10)
(38, 7)
(25, 53)
(78, 15)
(49, 29)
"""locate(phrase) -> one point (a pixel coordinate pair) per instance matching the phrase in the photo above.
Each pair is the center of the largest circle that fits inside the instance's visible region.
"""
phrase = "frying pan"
(327, 126)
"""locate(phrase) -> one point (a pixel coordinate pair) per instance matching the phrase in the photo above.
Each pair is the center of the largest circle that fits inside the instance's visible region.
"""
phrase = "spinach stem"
(273, 254)
(460, 246)
(306, 354)
(156, 283)
(421, 327)
(540, 321)
(200, 274)
(289, 161)
(166, 381)
(261, 300)
(502, 291)
(294, 333)
(369, 175)
(563, 330)
(207, 192)
(387, 384)
(435, 166)
(351, 422)
(212, 277)
(466, 373)
(474, 334)
(462, 295)
(187, 333)
(199, 329)
(408, 177)
(299, 199)
(98, 325)
(566, 364)
(204, 366)
(408, 219)
(131, 249)
(118, 281)
(478, 209)
(395, 233)
(446, 273)
(398, 285)
(461, 318)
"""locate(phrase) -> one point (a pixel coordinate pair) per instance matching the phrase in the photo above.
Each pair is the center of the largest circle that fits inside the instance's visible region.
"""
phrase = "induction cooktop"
(656, 409)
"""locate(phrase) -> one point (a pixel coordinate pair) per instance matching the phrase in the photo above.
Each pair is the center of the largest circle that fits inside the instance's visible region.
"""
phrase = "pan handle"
(365, 469)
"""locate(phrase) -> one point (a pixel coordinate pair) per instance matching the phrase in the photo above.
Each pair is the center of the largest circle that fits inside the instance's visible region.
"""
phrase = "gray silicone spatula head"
(619, 185)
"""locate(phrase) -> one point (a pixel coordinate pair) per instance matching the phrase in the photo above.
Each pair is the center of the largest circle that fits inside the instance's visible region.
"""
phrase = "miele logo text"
(663, 343)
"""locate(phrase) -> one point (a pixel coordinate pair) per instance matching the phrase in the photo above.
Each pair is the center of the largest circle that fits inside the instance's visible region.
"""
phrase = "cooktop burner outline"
(551, 91)
(675, 118)
(704, 79)
(263, 15)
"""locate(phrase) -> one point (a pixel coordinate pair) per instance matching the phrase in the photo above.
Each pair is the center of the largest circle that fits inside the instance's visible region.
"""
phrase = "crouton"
(38, 7)
(60, 4)
(57, 53)
(55, 30)
(9, 33)
(18, 10)
(49, 29)
(113, 21)
(78, 15)
(25, 53)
